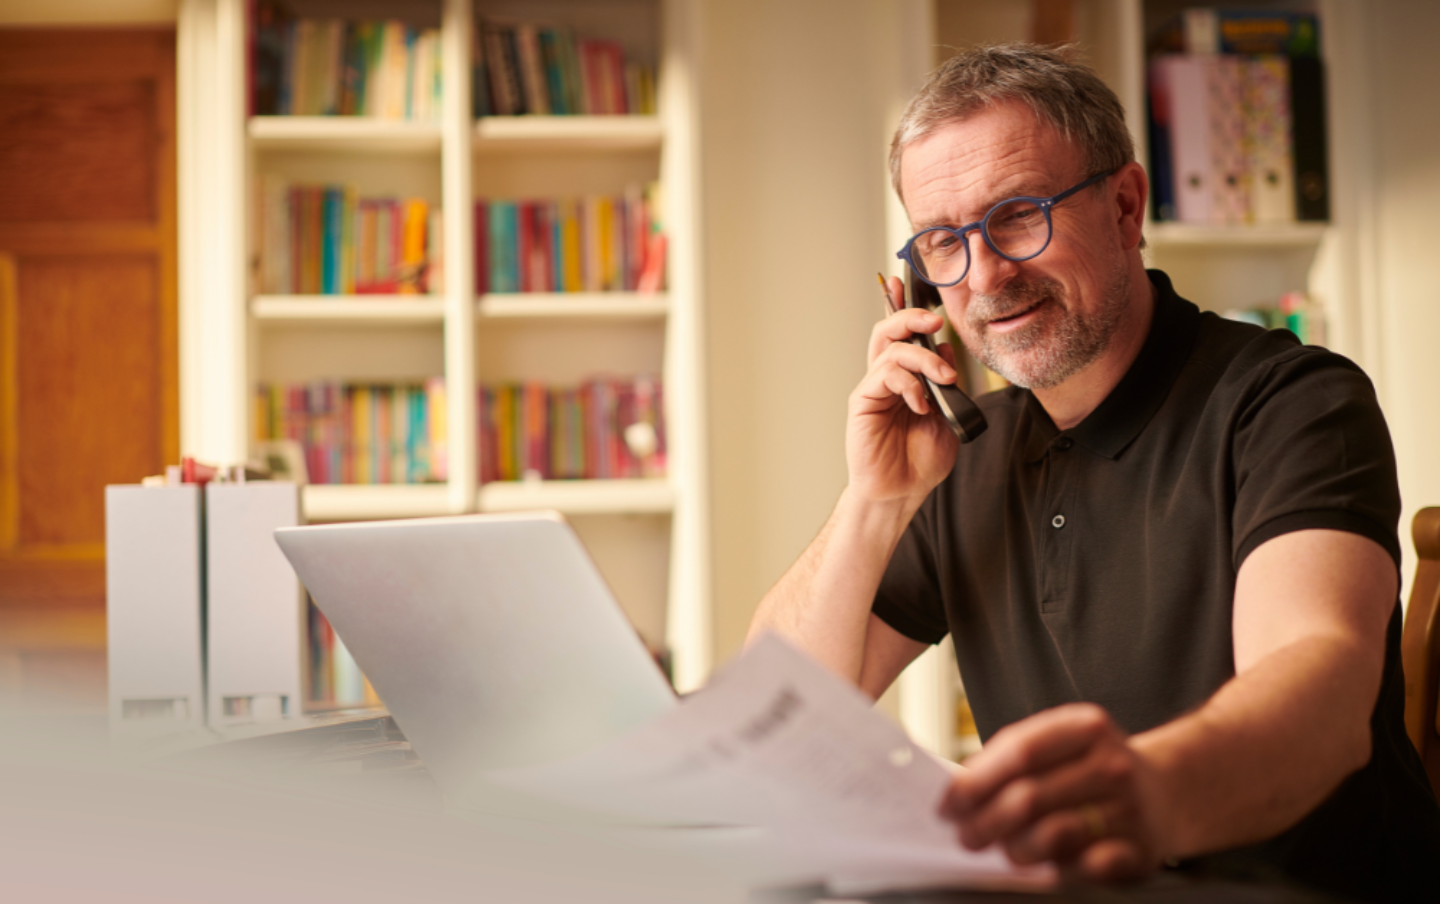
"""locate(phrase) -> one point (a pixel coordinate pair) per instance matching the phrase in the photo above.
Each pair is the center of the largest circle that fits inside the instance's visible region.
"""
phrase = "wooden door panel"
(81, 151)
(89, 383)
(88, 338)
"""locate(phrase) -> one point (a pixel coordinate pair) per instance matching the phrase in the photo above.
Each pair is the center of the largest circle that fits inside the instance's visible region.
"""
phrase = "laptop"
(493, 639)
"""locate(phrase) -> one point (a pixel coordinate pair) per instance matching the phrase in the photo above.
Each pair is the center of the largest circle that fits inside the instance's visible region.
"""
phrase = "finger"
(887, 385)
(1027, 747)
(1060, 837)
(947, 351)
(1112, 859)
(1104, 773)
(901, 326)
(919, 360)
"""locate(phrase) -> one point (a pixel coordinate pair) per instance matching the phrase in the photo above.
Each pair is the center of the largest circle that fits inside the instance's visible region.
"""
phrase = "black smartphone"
(959, 411)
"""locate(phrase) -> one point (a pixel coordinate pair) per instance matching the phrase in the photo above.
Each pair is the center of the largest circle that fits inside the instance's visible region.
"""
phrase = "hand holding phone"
(959, 411)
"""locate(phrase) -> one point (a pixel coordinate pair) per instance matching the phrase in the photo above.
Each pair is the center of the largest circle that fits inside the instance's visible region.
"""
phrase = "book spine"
(1312, 159)
(504, 428)
(400, 435)
(1160, 121)
(1229, 167)
(437, 412)
(532, 70)
(524, 240)
(502, 85)
(350, 202)
(434, 281)
(1267, 138)
(479, 78)
(482, 247)
(1185, 77)
(571, 265)
(550, 53)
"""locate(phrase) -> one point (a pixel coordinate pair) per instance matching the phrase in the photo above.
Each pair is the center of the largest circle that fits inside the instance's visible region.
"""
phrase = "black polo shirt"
(1099, 563)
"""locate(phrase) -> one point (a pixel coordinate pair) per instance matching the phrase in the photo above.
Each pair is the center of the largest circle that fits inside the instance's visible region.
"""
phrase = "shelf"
(343, 133)
(382, 309)
(505, 134)
(600, 305)
(580, 497)
(1189, 235)
(330, 502)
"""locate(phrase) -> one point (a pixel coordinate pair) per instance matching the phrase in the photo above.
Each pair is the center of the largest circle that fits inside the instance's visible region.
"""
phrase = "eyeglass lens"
(1016, 229)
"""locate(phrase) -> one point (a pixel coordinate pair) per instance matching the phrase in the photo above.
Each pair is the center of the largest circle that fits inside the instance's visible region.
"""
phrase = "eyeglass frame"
(982, 224)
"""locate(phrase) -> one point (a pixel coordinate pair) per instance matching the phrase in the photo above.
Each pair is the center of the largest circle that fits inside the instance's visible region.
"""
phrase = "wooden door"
(88, 355)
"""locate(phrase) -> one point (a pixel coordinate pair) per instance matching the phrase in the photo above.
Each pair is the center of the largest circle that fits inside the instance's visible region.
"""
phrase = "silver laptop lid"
(492, 639)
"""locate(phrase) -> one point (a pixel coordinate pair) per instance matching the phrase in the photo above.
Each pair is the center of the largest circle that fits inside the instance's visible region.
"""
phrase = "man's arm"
(1311, 609)
(897, 451)
(823, 602)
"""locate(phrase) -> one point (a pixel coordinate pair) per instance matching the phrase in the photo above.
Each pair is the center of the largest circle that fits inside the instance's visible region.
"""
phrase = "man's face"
(1037, 322)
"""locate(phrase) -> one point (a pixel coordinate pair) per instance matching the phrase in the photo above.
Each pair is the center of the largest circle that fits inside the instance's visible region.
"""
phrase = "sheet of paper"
(777, 741)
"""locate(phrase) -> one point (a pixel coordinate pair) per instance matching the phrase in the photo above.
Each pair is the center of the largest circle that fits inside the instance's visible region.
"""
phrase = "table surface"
(361, 758)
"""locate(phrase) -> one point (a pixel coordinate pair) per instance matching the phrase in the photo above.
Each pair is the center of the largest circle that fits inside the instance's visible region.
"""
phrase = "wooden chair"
(1420, 645)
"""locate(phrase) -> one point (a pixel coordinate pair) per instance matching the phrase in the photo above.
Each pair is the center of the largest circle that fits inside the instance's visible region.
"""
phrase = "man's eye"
(940, 244)
(1016, 216)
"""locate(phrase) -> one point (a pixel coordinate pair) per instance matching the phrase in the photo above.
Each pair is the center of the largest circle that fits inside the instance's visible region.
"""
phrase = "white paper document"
(777, 741)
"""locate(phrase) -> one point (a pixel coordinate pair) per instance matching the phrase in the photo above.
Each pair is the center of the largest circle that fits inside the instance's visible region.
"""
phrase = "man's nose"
(989, 272)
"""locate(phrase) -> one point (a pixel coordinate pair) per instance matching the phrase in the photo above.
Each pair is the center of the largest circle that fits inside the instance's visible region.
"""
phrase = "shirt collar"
(1116, 422)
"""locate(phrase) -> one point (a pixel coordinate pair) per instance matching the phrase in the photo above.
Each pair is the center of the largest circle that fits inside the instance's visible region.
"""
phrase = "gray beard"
(1050, 351)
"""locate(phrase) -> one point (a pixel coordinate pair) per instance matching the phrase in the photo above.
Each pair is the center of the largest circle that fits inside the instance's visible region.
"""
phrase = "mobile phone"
(959, 411)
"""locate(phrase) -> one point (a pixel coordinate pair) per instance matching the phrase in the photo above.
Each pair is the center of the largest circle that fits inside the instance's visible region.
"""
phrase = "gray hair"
(1061, 92)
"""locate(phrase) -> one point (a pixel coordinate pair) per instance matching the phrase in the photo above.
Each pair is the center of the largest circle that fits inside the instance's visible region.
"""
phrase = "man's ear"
(1132, 193)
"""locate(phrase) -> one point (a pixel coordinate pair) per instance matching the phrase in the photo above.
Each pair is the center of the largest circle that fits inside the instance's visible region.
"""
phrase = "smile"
(1010, 321)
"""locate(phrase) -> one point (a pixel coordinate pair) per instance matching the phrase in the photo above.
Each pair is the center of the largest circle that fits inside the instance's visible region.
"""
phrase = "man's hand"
(1066, 786)
(896, 446)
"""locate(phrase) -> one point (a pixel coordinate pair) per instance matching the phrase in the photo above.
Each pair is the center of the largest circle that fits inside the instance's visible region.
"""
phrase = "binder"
(1180, 83)
(154, 609)
(1267, 137)
(254, 604)
(1229, 168)
(1312, 159)
(1201, 101)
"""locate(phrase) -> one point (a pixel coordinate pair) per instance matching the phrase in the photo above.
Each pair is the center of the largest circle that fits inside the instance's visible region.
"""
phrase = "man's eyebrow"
(1026, 190)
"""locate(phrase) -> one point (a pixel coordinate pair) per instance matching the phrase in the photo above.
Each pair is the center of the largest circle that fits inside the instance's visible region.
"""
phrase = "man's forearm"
(822, 604)
(1265, 750)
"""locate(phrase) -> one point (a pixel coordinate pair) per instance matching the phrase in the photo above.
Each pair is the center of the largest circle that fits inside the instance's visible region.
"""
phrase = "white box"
(255, 618)
(154, 608)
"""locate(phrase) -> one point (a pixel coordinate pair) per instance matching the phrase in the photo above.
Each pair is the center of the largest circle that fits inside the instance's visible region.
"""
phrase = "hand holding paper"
(777, 741)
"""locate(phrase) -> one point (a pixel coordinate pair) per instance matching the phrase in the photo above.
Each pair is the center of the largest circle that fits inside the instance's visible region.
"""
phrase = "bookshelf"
(1216, 266)
(650, 536)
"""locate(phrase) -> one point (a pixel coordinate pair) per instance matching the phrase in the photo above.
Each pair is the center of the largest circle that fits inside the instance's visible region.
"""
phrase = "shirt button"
(1057, 522)
(1064, 443)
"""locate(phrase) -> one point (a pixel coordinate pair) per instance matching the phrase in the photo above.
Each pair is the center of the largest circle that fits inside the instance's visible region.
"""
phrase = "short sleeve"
(1312, 451)
(909, 598)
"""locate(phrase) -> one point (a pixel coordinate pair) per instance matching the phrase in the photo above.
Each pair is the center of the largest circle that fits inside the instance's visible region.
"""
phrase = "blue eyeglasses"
(1017, 229)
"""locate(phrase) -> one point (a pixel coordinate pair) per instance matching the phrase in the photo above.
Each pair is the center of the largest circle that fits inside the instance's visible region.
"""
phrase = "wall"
(1406, 198)
(798, 100)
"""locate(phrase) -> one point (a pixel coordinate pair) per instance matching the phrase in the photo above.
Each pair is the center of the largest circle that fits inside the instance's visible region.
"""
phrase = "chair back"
(1420, 645)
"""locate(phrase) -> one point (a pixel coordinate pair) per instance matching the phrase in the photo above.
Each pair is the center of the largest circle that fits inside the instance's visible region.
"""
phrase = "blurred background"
(761, 160)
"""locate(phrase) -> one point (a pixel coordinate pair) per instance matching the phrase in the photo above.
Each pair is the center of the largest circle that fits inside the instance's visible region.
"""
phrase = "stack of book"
(605, 428)
(1237, 119)
(529, 68)
(588, 244)
(335, 679)
(327, 240)
(365, 434)
(331, 67)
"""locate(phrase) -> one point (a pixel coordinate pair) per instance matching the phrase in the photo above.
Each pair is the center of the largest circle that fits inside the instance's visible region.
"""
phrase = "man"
(1170, 565)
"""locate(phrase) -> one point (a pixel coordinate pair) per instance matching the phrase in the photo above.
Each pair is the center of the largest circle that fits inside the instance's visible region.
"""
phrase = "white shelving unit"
(233, 340)
(1217, 267)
